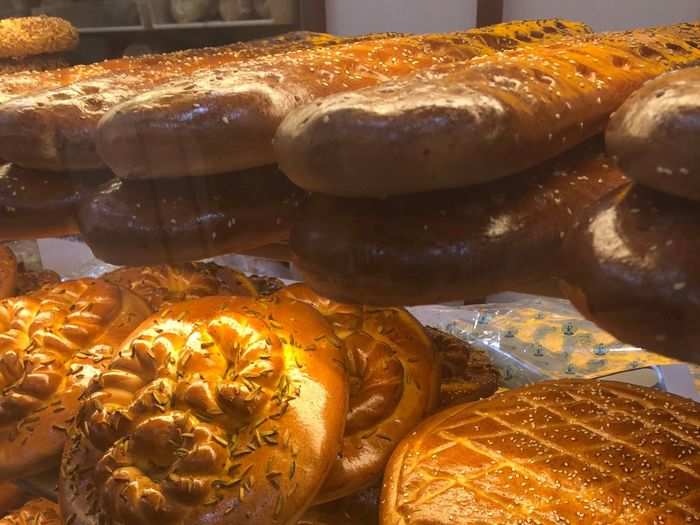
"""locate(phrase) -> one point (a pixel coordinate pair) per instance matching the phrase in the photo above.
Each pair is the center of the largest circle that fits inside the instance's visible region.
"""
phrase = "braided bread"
(394, 383)
(564, 452)
(36, 35)
(51, 345)
(218, 410)
(460, 125)
(8, 272)
(224, 119)
(655, 135)
(35, 512)
(632, 266)
(58, 111)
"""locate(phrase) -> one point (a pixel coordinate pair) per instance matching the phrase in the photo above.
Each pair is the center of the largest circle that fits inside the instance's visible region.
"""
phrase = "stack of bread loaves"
(633, 263)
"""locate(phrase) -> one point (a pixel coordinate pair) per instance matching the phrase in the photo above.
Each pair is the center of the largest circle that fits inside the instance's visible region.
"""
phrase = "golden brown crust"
(8, 272)
(35, 512)
(573, 451)
(449, 245)
(457, 126)
(654, 135)
(467, 373)
(188, 218)
(36, 35)
(11, 498)
(157, 134)
(218, 410)
(52, 344)
(632, 266)
(394, 383)
(58, 123)
(161, 286)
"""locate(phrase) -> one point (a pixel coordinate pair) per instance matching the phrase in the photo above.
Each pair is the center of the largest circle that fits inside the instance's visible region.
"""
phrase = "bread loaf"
(574, 452)
(456, 245)
(218, 410)
(35, 204)
(186, 219)
(224, 118)
(36, 35)
(54, 343)
(633, 267)
(161, 286)
(460, 125)
(35, 512)
(655, 135)
(8, 272)
(53, 126)
(394, 384)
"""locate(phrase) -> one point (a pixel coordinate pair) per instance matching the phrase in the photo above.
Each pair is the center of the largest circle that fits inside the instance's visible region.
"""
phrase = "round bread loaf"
(51, 345)
(218, 410)
(559, 452)
(633, 267)
(36, 35)
(163, 285)
(8, 272)
(35, 512)
(455, 245)
(35, 204)
(466, 372)
(11, 498)
(655, 135)
(394, 384)
(188, 218)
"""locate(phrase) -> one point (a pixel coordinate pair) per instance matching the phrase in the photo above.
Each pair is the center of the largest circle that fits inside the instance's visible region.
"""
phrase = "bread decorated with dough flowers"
(36, 35)
(562, 452)
(655, 135)
(394, 383)
(239, 106)
(217, 410)
(463, 124)
(52, 344)
(35, 512)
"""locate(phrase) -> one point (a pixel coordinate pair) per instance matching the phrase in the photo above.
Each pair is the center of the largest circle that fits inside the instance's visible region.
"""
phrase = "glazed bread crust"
(36, 35)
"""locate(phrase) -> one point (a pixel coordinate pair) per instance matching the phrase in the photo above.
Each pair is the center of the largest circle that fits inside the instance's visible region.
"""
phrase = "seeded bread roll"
(53, 344)
(443, 246)
(51, 124)
(576, 451)
(224, 118)
(218, 410)
(36, 35)
(655, 135)
(632, 266)
(188, 218)
(460, 125)
(394, 384)
(8, 272)
(35, 512)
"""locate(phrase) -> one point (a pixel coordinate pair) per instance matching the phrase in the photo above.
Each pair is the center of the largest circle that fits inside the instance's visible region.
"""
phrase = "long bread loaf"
(449, 245)
(49, 119)
(464, 124)
(225, 119)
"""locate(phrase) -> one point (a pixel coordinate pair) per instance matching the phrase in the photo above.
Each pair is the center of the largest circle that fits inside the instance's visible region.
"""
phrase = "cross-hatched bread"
(449, 245)
(563, 452)
(465, 124)
(51, 345)
(36, 204)
(466, 373)
(162, 285)
(188, 218)
(36, 35)
(394, 384)
(8, 272)
(238, 108)
(51, 122)
(632, 266)
(217, 410)
(655, 135)
(35, 512)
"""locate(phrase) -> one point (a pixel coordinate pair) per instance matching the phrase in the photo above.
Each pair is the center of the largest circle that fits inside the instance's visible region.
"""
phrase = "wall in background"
(349, 17)
(607, 14)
